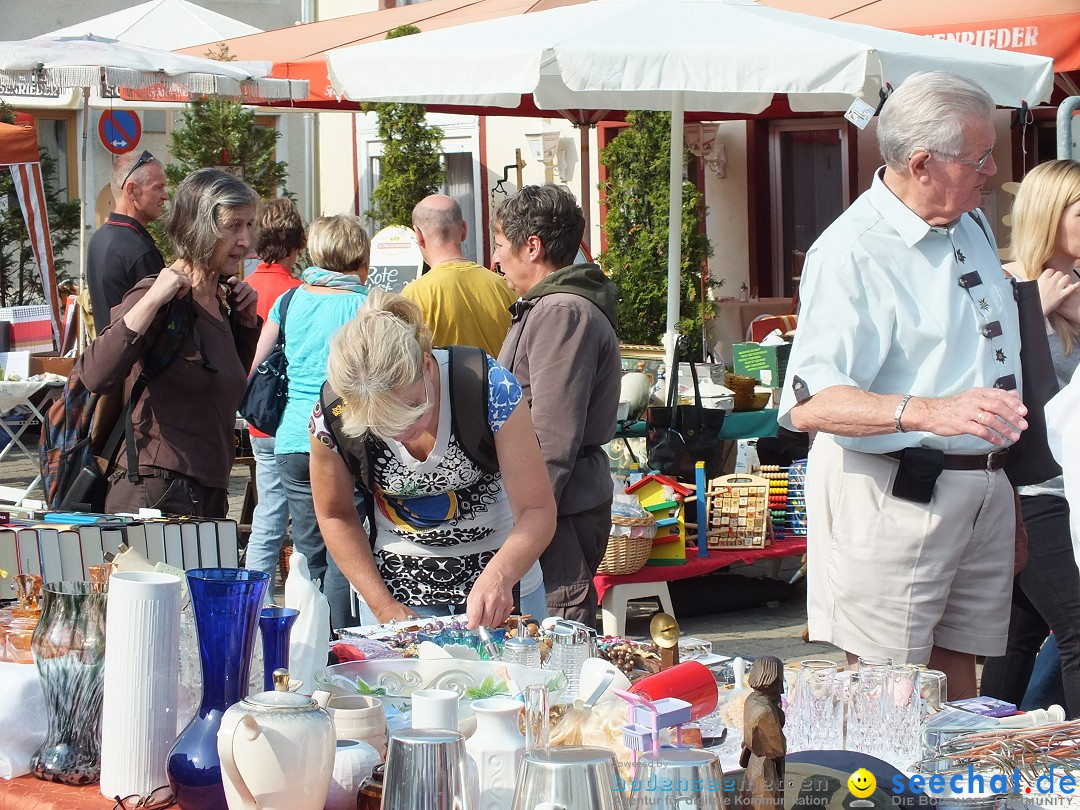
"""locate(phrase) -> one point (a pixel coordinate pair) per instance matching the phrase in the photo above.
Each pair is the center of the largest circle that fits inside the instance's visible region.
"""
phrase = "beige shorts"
(894, 578)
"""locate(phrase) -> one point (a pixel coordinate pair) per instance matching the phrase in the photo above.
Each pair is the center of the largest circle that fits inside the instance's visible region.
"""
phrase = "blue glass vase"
(226, 602)
(275, 624)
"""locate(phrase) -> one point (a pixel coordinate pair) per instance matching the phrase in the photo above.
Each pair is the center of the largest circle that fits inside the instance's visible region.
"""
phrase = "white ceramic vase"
(142, 661)
(496, 748)
(353, 762)
(356, 717)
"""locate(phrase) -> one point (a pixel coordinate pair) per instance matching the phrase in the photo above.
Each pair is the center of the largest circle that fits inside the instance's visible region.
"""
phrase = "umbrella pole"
(586, 191)
(674, 229)
(82, 212)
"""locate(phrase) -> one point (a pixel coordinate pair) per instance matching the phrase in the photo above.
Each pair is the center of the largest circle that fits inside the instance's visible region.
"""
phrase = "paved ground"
(772, 629)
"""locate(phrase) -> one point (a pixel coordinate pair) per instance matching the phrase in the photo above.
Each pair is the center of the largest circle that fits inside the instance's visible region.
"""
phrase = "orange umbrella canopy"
(1042, 27)
(299, 52)
(18, 144)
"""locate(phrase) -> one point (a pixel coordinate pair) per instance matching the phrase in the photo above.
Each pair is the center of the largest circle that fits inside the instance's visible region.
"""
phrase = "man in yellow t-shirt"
(464, 304)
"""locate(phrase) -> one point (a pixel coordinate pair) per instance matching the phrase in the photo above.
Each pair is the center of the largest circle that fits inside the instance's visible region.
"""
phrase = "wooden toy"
(664, 498)
(737, 512)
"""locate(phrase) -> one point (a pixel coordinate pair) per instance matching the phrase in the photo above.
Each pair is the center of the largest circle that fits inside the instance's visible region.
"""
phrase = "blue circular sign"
(119, 131)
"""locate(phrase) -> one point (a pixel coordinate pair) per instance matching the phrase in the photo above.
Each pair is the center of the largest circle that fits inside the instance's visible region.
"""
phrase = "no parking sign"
(119, 131)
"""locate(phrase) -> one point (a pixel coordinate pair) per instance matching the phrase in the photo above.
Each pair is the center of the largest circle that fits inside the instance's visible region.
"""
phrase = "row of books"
(65, 551)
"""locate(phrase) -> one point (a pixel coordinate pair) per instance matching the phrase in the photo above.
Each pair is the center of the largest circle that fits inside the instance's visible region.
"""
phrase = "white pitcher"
(277, 752)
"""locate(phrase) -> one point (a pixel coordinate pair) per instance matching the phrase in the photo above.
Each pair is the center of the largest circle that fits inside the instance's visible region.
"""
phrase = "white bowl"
(398, 678)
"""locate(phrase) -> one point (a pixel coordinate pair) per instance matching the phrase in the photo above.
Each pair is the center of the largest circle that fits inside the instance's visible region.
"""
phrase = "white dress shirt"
(883, 310)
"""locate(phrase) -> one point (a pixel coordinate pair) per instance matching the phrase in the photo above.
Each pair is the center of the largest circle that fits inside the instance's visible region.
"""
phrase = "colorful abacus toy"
(778, 497)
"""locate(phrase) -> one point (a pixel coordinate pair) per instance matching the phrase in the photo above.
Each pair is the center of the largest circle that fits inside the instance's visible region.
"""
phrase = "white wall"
(727, 221)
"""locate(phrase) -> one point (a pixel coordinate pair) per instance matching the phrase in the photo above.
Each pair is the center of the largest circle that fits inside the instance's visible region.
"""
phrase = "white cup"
(435, 708)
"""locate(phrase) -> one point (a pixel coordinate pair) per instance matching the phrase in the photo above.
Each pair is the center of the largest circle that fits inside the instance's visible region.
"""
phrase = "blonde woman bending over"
(451, 534)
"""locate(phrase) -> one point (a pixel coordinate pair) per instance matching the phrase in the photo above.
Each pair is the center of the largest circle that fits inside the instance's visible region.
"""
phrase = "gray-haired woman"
(183, 423)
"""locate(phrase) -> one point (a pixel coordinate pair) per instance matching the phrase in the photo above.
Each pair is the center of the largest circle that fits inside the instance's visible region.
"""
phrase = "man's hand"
(989, 413)
(1055, 287)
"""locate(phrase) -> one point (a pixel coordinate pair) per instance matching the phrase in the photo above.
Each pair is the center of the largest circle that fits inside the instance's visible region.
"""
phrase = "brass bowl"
(740, 383)
(754, 402)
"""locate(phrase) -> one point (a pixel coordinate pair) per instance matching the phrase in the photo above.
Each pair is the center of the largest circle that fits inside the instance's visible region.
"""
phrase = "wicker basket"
(627, 555)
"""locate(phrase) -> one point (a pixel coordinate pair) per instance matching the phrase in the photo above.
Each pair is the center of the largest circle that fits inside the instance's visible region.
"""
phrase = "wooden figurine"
(764, 744)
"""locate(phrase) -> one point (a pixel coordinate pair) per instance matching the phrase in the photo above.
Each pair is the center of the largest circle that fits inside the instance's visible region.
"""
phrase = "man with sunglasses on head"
(906, 371)
(122, 252)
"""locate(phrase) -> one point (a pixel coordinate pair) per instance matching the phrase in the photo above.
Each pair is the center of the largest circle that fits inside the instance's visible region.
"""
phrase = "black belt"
(148, 472)
(989, 462)
(588, 449)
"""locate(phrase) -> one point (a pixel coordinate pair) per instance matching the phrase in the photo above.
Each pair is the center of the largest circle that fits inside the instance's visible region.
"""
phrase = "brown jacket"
(563, 350)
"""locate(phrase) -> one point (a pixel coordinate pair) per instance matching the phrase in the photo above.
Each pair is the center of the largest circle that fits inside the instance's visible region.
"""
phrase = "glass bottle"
(522, 648)
(571, 644)
(275, 626)
(371, 789)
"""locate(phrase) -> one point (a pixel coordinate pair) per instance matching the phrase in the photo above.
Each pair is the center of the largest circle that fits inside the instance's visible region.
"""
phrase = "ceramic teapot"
(276, 750)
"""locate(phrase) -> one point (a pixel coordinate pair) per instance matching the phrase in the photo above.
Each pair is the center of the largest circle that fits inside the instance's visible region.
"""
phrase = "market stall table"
(737, 425)
(652, 580)
(30, 793)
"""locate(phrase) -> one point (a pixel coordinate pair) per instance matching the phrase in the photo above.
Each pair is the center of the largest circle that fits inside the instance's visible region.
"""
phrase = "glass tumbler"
(865, 711)
(817, 708)
(903, 717)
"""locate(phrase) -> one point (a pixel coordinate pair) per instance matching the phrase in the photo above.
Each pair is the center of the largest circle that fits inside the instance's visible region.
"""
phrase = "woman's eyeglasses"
(156, 799)
(144, 158)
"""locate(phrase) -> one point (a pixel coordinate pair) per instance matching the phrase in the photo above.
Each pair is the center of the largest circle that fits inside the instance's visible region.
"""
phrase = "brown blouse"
(185, 420)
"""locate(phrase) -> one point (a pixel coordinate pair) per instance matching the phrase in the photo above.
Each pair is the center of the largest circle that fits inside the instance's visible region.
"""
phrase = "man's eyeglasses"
(144, 158)
(978, 165)
(156, 799)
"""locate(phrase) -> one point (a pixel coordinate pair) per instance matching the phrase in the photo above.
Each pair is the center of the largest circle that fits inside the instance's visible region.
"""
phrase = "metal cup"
(573, 777)
(677, 778)
(427, 769)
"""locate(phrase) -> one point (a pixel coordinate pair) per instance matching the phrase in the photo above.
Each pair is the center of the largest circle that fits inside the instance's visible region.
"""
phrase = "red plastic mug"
(690, 681)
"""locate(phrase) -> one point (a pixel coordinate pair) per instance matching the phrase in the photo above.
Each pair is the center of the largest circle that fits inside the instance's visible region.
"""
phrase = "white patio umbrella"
(723, 56)
(166, 24)
(45, 65)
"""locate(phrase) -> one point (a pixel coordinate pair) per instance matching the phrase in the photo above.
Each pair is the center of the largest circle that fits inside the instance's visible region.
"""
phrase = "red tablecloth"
(696, 566)
(30, 793)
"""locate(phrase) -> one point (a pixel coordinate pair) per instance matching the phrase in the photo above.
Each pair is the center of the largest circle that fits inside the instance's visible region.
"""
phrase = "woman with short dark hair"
(184, 422)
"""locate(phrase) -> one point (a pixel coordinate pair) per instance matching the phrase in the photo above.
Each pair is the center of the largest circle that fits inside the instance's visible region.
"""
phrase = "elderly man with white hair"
(906, 366)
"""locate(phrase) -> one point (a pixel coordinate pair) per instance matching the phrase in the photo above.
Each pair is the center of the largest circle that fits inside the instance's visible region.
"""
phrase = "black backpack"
(82, 430)
(468, 417)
